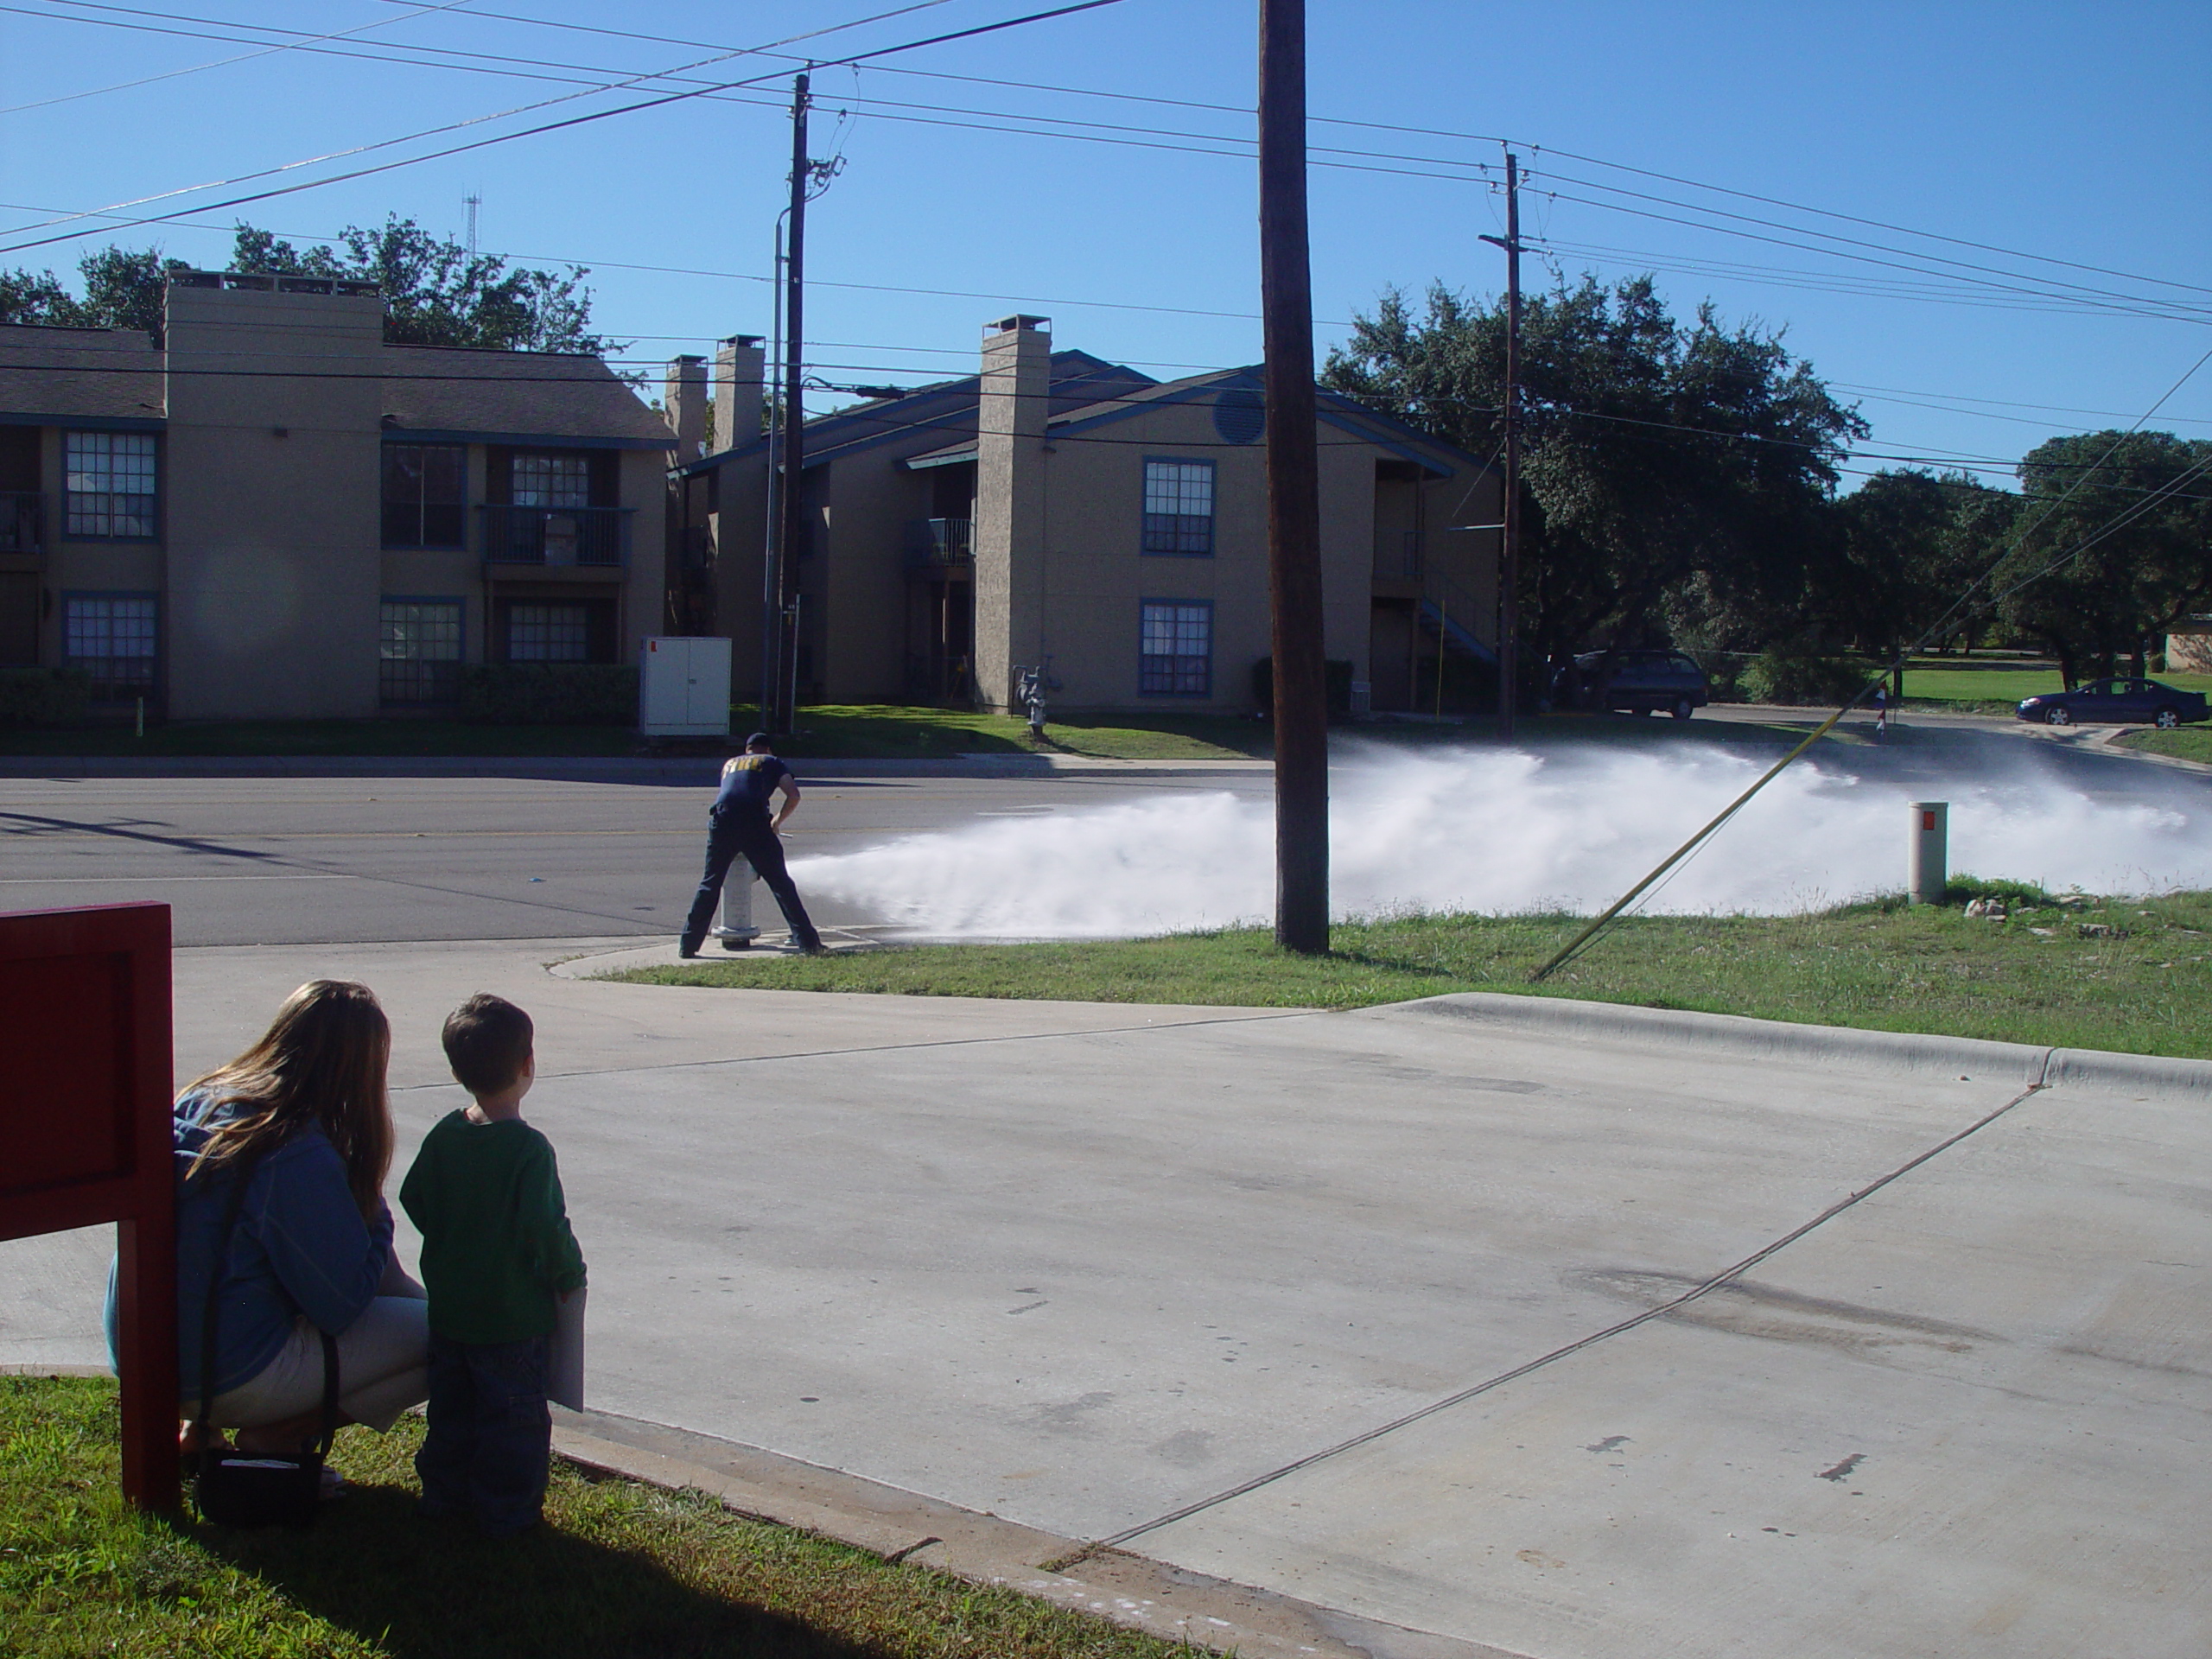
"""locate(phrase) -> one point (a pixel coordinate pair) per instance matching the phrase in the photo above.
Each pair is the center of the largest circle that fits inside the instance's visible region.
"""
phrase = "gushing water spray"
(1509, 832)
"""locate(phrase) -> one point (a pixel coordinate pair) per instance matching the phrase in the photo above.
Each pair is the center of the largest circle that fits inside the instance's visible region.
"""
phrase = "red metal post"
(85, 1118)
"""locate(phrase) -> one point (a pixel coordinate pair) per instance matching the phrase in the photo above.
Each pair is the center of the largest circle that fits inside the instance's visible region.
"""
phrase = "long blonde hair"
(322, 1061)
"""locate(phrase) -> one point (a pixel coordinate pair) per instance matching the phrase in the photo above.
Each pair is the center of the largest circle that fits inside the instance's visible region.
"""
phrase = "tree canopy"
(1678, 476)
(1912, 543)
(436, 292)
(2114, 545)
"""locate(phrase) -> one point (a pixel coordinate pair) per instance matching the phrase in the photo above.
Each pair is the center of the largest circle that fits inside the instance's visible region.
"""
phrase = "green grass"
(2185, 743)
(877, 731)
(1995, 685)
(402, 738)
(621, 1571)
(862, 731)
(2143, 987)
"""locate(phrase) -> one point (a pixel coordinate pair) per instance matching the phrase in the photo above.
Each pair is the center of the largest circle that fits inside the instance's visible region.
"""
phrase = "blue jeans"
(490, 1435)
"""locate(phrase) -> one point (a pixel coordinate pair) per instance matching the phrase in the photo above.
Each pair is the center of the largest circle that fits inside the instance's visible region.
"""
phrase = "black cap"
(760, 738)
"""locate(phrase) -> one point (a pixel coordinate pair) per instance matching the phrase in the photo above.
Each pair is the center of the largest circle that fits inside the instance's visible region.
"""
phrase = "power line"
(415, 10)
(553, 126)
(1941, 628)
(1486, 139)
(2046, 292)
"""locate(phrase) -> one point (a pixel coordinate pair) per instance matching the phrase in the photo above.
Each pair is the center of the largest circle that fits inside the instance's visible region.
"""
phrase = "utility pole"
(1508, 562)
(1301, 712)
(778, 673)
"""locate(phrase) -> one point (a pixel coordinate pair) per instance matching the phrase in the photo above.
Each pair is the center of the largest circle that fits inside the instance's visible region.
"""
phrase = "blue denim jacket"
(301, 1247)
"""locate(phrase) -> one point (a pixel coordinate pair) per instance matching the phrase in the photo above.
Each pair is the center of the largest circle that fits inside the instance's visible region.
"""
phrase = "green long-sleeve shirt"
(496, 1245)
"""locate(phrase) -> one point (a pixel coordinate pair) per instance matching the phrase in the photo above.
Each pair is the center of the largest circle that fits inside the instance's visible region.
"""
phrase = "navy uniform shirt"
(748, 781)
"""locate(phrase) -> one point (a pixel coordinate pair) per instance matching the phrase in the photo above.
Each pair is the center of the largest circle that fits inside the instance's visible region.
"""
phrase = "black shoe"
(816, 948)
(688, 949)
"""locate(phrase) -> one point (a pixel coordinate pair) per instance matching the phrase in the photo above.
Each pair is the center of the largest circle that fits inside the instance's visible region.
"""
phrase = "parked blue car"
(2122, 702)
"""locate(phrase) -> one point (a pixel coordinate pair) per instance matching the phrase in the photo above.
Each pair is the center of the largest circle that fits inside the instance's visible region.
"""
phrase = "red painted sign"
(85, 1135)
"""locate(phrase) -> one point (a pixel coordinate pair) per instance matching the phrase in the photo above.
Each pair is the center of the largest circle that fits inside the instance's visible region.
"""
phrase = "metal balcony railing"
(22, 521)
(589, 535)
(939, 542)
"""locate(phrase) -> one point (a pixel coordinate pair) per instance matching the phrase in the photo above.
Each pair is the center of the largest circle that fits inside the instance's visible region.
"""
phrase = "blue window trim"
(460, 602)
(1213, 516)
(161, 623)
(468, 457)
(160, 492)
(1164, 598)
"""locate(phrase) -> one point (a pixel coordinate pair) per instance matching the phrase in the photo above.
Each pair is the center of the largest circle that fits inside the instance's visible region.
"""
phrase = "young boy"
(485, 1195)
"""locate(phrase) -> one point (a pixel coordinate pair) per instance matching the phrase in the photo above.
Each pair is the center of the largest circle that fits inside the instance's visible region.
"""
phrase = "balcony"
(1398, 555)
(934, 543)
(591, 536)
(23, 522)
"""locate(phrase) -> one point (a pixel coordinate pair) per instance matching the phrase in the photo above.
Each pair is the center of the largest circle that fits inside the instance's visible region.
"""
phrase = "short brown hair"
(487, 1043)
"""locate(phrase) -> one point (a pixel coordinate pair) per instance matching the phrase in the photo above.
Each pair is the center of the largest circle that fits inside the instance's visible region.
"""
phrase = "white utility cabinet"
(684, 687)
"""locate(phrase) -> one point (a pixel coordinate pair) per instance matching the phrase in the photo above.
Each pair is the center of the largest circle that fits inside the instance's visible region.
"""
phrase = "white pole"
(1927, 863)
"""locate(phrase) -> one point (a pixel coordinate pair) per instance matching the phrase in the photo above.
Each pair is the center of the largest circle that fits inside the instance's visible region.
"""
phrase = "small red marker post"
(85, 1121)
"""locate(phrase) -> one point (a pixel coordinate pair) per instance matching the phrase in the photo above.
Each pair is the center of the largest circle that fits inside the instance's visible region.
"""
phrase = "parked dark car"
(2122, 702)
(1640, 682)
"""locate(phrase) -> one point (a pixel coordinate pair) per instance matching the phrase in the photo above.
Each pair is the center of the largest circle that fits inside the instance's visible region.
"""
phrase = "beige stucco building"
(1060, 509)
(277, 514)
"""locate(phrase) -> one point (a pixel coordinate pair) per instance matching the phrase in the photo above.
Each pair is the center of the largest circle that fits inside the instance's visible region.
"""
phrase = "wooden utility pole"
(1301, 711)
(780, 673)
(1508, 561)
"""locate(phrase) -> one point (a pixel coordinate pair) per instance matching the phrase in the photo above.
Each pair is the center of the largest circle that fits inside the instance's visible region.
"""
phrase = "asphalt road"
(578, 849)
(307, 860)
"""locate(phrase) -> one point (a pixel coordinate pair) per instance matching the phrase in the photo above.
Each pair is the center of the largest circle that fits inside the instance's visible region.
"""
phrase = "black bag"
(253, 1489)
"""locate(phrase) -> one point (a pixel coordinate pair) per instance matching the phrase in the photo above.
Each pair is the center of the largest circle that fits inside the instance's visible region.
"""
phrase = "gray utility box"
(684, 687)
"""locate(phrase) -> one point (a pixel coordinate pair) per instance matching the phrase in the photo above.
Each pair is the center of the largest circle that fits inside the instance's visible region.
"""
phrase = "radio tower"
(472, 201)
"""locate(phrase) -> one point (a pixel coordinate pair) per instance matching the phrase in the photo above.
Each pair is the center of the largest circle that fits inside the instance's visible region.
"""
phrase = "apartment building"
(1056, 509)
(277, 514)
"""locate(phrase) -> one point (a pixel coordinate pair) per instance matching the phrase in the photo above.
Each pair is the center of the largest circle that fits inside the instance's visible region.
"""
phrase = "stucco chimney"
(1009, 529)
(739, 361)
(684, 397)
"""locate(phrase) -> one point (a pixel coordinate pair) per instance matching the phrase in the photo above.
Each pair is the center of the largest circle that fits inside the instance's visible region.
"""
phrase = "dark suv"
(1641, 681)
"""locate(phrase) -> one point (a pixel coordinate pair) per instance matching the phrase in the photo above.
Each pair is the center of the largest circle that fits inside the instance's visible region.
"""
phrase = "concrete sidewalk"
(1085, 1273)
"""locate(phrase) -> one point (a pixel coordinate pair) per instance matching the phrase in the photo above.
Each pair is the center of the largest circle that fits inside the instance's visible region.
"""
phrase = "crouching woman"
(303, 1119)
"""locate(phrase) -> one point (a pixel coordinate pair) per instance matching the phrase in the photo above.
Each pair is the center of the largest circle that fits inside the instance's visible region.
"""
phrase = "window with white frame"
(111, 483)
(113, 637)
(551, 480)
(1175, 648)
(548, 633)
(418, 651)
(1179, 507)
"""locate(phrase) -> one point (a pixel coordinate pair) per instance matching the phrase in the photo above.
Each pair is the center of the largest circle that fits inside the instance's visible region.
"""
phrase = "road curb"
(691, 771)
(1739, 1037)
(1132, 1591)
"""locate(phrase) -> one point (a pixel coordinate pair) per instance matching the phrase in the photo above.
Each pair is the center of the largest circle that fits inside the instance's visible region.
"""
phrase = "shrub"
(44, 696)
(549, 694)
(1793, 677)
(2017, 895)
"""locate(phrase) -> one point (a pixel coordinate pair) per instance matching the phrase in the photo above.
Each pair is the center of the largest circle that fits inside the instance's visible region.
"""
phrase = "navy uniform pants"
(729, 835)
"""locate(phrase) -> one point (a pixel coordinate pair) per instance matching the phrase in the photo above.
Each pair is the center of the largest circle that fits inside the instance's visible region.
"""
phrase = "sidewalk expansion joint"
(903, 1527)
(1703, 1287)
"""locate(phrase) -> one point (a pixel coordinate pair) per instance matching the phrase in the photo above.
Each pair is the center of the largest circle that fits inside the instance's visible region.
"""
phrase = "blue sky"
(2072, 131)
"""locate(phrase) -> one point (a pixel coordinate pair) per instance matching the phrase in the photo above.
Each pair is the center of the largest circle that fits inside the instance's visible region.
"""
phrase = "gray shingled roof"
(495, 394)
(115, 374)
(78, 373)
